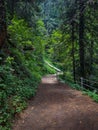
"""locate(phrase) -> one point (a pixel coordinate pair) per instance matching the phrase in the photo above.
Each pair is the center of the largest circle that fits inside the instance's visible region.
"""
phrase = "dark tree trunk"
(73, 50)
(2, 23)
(12, 8)
(81, 38)
(91, 56)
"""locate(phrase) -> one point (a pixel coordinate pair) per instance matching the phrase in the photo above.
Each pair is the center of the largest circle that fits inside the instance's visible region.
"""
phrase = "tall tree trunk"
(2, 23)
(73, 51)
(12, 8)
(81, 38)
(91, 56)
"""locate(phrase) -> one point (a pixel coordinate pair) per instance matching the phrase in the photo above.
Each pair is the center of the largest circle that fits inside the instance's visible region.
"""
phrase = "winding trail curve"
(58, 107)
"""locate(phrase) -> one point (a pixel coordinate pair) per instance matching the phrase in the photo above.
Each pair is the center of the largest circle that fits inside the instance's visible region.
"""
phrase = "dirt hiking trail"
(58, 107)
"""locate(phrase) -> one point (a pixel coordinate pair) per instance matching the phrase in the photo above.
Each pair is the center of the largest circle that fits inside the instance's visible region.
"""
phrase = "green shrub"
(92, 94)
(20, 72)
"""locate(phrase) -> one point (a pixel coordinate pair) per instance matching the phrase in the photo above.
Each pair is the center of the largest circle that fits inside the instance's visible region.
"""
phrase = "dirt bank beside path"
(58, 107)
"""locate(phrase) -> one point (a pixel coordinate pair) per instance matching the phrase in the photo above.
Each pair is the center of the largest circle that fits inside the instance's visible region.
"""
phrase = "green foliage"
(18, 104)
(20, 33)
(14, 90)
(53, 46)
(65, 43)
(93, 95)
(21, 69)
(48, 69)
(22, 63)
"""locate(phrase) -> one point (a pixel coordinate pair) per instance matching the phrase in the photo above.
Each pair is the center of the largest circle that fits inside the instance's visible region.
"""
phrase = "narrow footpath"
(58, 107)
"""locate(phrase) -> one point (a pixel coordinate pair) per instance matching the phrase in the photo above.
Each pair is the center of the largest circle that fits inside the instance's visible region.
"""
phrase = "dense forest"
(61, 32)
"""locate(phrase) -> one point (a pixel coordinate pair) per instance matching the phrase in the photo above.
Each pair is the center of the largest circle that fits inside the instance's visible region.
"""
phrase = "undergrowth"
(48, 69)
(93, 94)
(16, 86)
(21, 69)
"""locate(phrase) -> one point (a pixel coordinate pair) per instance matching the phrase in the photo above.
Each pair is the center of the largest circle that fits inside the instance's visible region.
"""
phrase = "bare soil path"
(58, 107)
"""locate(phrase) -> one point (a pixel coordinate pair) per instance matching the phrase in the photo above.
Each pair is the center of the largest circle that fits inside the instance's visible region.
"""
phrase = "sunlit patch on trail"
(48, 80)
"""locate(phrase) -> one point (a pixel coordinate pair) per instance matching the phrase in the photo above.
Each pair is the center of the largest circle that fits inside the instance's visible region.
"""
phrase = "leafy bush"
(20, 72)
(13, 93)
